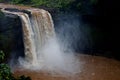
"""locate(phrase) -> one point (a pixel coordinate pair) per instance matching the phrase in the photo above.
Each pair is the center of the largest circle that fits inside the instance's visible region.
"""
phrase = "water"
(42, 49)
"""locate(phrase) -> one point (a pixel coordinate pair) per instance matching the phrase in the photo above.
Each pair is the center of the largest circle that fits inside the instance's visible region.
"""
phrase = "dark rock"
(11, 39)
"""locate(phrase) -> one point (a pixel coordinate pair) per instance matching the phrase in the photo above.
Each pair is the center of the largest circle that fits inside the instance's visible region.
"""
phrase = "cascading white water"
(37, 30)
(42, 50)
(42, 26)
(29, 41)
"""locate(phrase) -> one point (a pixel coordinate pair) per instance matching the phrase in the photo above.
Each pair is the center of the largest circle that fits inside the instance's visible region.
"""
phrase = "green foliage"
(2, 55)
(55, 4)
(17, 1)
(1, 0)
(46, 3)
(63, 4)
(52, 3)
(20, 1)
(93, 1)
(1, 14)
(5, 72)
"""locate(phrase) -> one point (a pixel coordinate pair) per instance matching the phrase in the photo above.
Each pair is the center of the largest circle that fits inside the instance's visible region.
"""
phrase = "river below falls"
(93, 68)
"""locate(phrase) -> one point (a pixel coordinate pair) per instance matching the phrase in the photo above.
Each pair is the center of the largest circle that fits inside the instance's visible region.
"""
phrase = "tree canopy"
(57, 4)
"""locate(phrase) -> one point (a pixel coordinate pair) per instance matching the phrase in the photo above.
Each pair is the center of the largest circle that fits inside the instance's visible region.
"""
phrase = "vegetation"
(53, 3)
(56, 4)
(5, 72)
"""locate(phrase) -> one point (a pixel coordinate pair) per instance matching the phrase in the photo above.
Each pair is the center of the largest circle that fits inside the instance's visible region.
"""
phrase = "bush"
(20, 1)
(53, 3)
(46, 3)
(5, 72)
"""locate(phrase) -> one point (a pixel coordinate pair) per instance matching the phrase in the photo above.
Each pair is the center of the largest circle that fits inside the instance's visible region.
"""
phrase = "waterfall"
(41, 48)
(37, 28)
(43, 27)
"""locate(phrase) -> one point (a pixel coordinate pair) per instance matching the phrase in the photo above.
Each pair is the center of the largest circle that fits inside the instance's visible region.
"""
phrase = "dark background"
(106, 18)
(103, 20)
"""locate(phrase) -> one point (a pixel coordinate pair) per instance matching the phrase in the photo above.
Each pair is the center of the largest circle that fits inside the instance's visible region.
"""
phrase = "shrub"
(5, 71)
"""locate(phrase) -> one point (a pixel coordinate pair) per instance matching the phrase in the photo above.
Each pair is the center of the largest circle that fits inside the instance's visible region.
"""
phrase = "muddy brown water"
(93, 68)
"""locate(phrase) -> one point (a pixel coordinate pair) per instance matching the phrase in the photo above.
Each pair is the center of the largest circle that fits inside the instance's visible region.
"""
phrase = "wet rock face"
(11, 35)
